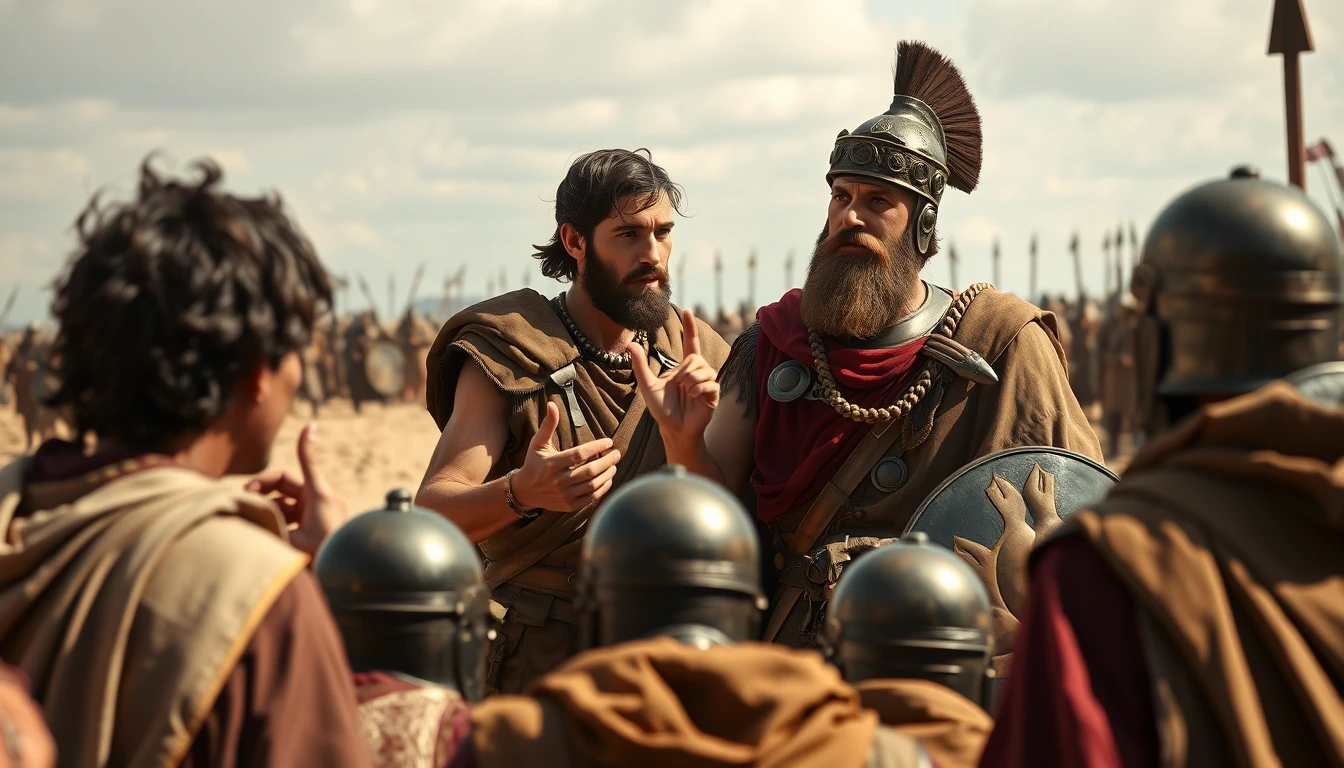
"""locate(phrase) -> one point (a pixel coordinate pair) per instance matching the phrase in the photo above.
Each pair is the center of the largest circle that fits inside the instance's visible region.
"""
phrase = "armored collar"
(918, 323)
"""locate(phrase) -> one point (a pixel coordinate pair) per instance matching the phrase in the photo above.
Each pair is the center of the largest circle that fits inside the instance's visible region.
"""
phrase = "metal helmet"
(911, 609)
(409, 596)
(1239, 284)
(670, 554)
(1322, 383)
(929, 139)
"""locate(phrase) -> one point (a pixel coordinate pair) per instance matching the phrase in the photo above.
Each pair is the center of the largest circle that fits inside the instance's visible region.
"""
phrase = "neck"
(209, 452)
(606, 333)
(916, 300)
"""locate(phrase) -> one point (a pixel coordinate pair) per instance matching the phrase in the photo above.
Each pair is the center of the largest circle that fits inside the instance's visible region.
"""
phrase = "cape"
(1227, 531)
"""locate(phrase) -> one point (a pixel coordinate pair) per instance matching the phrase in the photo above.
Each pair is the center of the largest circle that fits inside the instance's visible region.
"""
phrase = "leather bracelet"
(512, 502)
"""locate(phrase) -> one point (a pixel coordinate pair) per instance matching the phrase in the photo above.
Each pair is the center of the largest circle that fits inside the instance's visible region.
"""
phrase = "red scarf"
(802, 444)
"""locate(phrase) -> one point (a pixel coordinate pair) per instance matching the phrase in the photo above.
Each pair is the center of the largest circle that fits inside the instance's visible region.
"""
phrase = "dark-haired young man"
(162, 616)
(538, 404)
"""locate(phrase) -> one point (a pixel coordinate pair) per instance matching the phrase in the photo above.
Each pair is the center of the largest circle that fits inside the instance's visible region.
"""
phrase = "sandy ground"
(363, 456)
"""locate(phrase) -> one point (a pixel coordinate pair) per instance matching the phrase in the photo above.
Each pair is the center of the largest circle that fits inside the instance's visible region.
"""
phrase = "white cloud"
(409, 130)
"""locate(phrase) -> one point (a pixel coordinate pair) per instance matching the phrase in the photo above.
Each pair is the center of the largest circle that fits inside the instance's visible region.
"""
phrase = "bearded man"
(537, 401)
(849, 401)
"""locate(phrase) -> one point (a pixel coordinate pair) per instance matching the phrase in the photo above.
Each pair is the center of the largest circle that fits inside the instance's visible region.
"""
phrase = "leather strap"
(500, 571)
(874, 446)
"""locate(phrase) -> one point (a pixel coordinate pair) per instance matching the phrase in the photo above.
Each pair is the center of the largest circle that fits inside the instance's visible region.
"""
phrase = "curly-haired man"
(163, 616)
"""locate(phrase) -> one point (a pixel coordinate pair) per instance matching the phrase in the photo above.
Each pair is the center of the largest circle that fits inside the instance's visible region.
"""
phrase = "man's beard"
(859, 294)
(634, 307)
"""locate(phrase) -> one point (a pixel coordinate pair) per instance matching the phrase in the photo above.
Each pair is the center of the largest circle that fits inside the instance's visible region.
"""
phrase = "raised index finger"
(690, 334)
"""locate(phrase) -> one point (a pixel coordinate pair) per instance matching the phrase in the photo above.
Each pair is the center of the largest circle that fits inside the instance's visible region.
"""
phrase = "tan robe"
(658, 703)
(950, 726)
(130, 595)
(518, 341)
(1229, 533)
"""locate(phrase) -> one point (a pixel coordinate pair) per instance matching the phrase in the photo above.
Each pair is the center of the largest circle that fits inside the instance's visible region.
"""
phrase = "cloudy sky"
(435, 131)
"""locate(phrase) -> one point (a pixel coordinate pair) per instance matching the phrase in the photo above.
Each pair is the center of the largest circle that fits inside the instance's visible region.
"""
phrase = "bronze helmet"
(670, 554)
(408, 593)
(1239, 284)
(911, 609)
(929, 139)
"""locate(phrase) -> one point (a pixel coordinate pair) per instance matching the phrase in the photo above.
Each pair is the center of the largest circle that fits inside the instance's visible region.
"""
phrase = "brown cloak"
(1228, 531)
(950, 726)
(658, 703)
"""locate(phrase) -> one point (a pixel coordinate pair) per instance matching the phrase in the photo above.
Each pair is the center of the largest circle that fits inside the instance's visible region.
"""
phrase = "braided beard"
(859, 294)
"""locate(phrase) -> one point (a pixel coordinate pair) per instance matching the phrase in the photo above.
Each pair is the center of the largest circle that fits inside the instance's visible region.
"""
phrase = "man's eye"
(664, 232)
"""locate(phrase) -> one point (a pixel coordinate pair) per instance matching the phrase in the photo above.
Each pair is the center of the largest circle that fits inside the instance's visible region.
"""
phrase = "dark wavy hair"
(595, 183)
(175, 297)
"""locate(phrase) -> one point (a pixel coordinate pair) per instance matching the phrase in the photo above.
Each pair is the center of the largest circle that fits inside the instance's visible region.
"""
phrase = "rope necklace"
(913, 394)
(588, 348)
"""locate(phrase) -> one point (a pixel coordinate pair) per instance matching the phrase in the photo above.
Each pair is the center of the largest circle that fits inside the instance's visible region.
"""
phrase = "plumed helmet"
(911, 609)
(673, 554)
(1239, 284)
(408, 593)
(927, 140)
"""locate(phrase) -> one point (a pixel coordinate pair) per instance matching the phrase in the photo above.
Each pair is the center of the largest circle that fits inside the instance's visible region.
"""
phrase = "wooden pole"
(1289, 36)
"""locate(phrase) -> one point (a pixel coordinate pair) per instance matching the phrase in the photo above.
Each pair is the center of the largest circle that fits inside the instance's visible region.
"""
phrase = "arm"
(685, 403)
(473, 442)
(731, 432)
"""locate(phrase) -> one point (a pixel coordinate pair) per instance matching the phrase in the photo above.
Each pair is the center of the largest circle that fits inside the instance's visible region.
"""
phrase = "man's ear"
(256, 386)
(573, 241)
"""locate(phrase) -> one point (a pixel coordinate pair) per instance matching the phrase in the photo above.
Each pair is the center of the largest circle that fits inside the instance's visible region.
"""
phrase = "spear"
(503, 280)
(1120, 258)
(751, 278)
(1077, 269)
(997, 283)
(1136, 254)
(1289, 36)
(368, 294)
(415, 286)
(718, 282)
(1106, 262)
(788, 271)
(392, 295)
(952, 264)
(9, 304)
(1032, 294)
(681, 274)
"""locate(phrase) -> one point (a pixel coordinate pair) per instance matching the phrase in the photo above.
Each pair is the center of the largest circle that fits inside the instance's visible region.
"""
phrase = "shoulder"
(993, 321)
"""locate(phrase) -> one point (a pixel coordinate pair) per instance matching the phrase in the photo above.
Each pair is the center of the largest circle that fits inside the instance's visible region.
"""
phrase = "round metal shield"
(961, 506)
(385, 368)
(1323, 383)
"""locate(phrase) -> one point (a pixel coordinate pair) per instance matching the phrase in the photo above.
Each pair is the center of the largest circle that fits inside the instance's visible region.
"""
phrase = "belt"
(534, 608)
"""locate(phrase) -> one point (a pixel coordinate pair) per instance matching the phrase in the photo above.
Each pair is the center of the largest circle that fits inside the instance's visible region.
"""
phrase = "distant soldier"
(1192, 617)
(410, 601)
(1115, 341)
(670, 595)
(29, 373)
(365, 339)
(910, 627)
(414, 335)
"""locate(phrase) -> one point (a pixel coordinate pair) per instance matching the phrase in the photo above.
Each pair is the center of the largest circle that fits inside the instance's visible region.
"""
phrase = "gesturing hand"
(563, 481)
(683, 399)
(311, 507)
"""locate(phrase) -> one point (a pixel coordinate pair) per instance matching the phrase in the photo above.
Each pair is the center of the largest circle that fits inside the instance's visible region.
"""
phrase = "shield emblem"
(385, 368)
(1323, 383)
(994, 510)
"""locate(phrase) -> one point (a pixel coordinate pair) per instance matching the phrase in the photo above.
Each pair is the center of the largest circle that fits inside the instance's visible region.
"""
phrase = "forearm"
(693, 454)
(479, 510)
